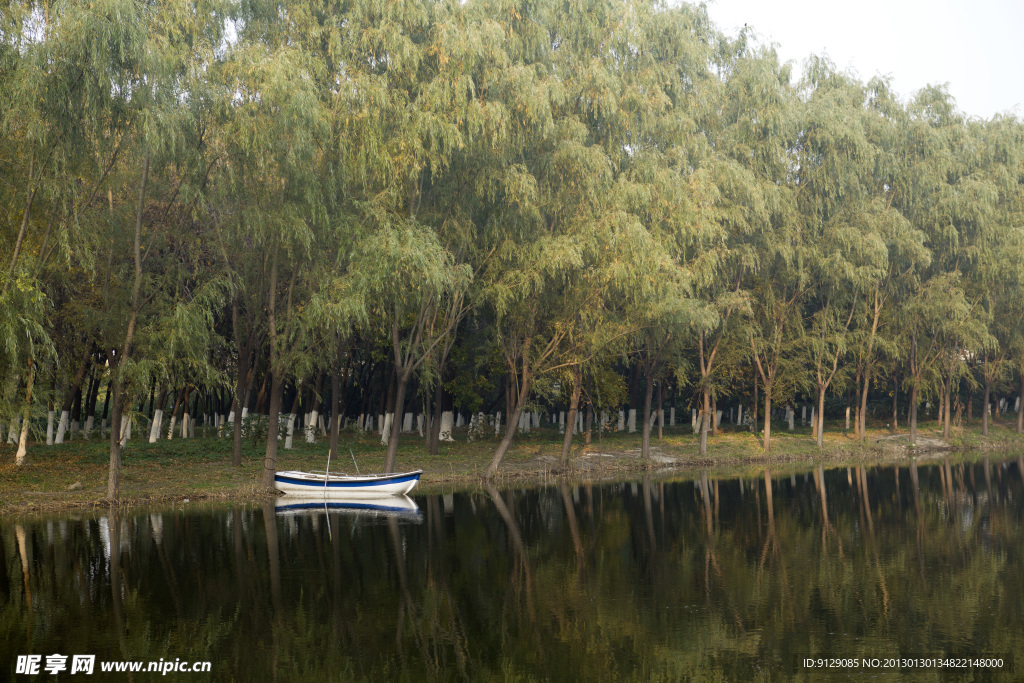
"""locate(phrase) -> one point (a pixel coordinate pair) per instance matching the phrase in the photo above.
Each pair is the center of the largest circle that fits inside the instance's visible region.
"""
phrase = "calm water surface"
(734, 579)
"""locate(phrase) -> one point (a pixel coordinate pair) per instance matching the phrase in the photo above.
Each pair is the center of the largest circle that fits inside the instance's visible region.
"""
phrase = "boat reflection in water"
(382, 507)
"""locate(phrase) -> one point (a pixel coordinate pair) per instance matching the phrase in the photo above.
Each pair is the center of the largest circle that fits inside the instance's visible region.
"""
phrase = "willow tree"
(884, 226)
(834, 191)
(63, 119)
(758, 134)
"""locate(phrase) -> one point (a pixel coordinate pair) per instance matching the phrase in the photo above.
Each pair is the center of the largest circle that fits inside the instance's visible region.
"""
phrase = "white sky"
(976, 46)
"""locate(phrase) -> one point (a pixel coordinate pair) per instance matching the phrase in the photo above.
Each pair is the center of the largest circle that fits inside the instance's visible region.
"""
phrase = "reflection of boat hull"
(295, 483)
(384, 506)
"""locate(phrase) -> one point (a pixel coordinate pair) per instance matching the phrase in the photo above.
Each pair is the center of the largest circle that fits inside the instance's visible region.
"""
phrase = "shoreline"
(199, 470)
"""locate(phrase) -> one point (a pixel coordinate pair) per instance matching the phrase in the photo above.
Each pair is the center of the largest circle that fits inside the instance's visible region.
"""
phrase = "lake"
(896, 571)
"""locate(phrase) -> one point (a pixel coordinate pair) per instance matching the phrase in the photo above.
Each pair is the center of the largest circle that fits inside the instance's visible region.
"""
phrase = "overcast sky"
(976, 46)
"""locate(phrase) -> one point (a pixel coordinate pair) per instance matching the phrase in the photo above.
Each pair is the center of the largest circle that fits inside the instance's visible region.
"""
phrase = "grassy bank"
(200, 468)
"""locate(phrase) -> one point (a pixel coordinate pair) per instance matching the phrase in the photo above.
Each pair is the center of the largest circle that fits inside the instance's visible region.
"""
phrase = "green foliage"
(597, 186)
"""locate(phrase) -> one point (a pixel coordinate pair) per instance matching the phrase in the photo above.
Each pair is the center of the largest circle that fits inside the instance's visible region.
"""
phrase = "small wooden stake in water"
(354, 460)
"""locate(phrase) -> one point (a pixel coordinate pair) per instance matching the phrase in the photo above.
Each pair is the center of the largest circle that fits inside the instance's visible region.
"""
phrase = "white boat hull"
(296, 483)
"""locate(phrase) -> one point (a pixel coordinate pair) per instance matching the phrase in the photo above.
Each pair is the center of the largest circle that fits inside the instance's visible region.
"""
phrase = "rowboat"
(296, 483)
(400, 507)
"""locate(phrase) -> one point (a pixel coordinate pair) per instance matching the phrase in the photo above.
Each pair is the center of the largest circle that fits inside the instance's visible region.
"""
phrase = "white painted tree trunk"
(245, 414)
(661, 418)
(88, 424)
(579, 422)
(419, 424)
(497, 423)
(536, 420)
(290, 431)
(19, 457)
(847, 418)
(693, 420)
(385, 434)
(446, 426)
(126, 429)
(459, 422)
(323, 425)
(621, 424)
(631, 422)
(407, 423)
(313, 416)
(49, 427)
(790, 417)
(158, 421)
(672, 416)
(803, 415)
(174, 422)
(12, 432)
(184, 425)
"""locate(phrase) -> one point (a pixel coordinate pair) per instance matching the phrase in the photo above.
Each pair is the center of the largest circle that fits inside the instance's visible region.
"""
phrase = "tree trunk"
(856, 404)
(767, 418)
(434, 438)
(69, 399)
(273, 428)
(913, 414)
(402, 381)
(862, 412)
(661, 411)
(753, 404)
(705, 411)
(984, 407)
(820, 422)
(1020, 407)
(895, 403)
(158, 415)
(590, 423)
(114, 476)
(26, 418)
(276, 375)
(645, 449)
(945, 406)
(512, 424)
(577, 386)
(335, 410)
(174, 415)
(244, 361)
(290, 429)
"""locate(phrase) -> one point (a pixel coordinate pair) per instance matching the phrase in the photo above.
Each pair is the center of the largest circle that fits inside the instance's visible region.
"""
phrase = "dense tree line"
(355, 208)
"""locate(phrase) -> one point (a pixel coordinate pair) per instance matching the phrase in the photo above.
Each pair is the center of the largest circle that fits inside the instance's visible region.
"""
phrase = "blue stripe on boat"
(347, 506)
(345, 484)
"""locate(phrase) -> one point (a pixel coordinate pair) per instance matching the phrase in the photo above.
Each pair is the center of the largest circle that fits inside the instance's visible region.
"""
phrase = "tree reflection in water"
(669, 579)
